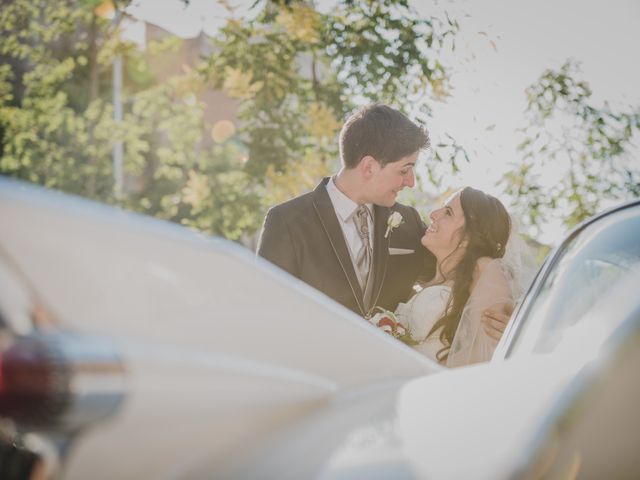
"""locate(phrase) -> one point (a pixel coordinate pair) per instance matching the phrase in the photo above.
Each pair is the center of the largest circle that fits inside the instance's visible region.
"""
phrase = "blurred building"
(218, 106)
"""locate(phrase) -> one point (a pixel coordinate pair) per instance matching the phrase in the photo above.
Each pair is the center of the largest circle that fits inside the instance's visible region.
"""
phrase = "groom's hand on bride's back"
(495, 319)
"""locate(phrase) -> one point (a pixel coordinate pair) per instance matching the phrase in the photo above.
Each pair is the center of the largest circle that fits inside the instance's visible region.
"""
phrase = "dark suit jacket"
(303, 236)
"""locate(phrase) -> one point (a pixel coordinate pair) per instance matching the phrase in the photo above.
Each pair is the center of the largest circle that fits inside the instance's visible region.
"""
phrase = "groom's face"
(386, 182)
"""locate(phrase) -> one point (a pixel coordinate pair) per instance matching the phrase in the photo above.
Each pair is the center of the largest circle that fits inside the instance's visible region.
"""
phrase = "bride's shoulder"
(487, 266)
(483, 263)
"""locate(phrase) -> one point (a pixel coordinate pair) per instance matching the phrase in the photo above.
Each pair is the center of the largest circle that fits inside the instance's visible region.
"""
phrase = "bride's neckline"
(448, 284)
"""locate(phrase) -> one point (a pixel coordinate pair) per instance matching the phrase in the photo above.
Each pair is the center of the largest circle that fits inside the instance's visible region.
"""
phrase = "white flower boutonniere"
(394, 220)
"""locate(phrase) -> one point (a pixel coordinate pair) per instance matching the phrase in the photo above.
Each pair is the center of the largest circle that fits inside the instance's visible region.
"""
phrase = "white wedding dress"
(471, 344)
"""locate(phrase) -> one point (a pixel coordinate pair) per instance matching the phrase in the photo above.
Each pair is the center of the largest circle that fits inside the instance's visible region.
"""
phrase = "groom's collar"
(343, 205)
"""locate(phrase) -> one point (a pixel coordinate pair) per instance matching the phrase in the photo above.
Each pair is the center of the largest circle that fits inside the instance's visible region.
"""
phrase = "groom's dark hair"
(382, 132)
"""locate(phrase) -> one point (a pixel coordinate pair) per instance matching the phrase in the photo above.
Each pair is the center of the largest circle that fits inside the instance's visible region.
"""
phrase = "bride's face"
(447, 224)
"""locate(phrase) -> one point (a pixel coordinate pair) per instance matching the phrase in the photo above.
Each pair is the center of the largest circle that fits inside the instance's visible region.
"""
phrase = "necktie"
(365, 255)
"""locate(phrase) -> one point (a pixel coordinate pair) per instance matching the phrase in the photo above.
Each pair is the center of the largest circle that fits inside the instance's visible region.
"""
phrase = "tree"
(298, 72)
(295, 71)
(43, 139)
(57, 127)
(585, 166)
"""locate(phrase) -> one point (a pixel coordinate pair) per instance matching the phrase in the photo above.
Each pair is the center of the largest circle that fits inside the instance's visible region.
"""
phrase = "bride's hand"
(495, 319)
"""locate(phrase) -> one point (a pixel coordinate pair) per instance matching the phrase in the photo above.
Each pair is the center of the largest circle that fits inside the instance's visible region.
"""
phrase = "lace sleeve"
(471, 344)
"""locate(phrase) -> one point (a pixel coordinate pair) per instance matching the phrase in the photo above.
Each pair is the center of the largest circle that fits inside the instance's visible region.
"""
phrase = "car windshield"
(592, 266)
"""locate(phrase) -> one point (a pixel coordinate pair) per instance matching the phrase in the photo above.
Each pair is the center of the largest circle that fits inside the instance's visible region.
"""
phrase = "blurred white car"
(134, 348)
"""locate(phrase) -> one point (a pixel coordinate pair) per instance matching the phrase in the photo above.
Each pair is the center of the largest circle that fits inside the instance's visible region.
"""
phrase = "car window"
(588, 268)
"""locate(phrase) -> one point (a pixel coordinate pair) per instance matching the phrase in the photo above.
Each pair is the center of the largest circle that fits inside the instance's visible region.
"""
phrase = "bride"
(468, 236)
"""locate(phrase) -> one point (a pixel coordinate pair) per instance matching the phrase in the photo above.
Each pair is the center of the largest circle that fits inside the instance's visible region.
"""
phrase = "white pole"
(118, 147)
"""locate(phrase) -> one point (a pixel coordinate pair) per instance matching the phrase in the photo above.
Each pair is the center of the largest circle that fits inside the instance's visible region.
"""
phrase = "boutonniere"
(394, 220)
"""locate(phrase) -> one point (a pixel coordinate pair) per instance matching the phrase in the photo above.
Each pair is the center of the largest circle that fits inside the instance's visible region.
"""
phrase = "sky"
(503, 46)
(529, 37)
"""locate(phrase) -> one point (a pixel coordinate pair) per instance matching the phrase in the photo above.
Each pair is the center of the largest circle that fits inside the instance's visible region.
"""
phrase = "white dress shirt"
(345, 209)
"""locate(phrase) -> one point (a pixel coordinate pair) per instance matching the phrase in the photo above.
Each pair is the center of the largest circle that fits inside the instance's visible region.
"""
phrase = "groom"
(349, 238)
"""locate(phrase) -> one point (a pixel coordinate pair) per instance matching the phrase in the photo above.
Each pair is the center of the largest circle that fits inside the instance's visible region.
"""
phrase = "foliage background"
(296, 74)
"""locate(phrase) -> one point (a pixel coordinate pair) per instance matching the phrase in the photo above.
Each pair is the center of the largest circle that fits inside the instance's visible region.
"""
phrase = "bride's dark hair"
(485, 233)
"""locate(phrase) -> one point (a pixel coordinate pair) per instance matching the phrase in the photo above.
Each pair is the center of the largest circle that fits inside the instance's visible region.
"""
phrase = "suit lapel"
(329, 220)
(380, 249)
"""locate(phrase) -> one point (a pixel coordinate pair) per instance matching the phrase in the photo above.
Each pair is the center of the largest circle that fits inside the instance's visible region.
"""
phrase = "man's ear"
(369, 166)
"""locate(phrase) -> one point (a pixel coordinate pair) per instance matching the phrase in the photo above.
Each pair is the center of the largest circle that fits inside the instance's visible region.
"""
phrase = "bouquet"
(387, 321)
